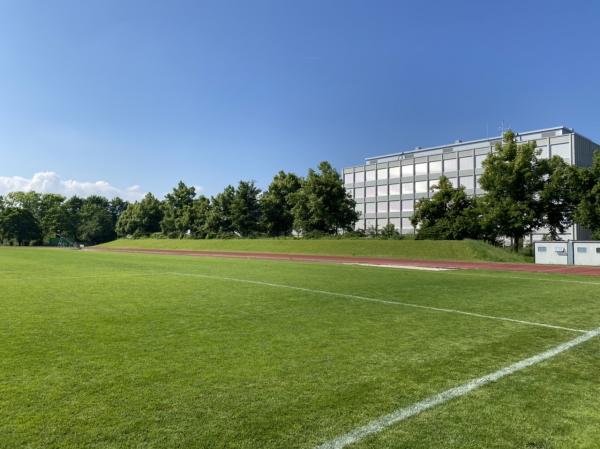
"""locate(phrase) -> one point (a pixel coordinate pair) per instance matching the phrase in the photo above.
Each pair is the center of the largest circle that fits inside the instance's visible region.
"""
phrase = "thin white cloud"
(50, 182)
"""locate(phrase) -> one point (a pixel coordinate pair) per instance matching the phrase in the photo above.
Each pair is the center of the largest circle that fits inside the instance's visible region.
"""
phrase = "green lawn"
(400, 249)
(105, 350)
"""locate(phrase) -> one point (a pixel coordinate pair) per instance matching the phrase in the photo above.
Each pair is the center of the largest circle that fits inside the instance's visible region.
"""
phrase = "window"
(479, 160)
(382, 207)
(394, 189)
(582, 250)
(359, 193)
(477, 181)
(370, 208)
(467, 182)
(435, 167)
(396, 223)
(597, 250)
(382, 190)
(466, 163)
(563, 150)
(407, 206)
(454, 182)
(359, 176)
(421, 187)
(407, 170)
(370, 192)
(450, 165)
(420, 169)
(394, 206)
(433, 182)
(382, 173)
(407, 188)
(394, 172)
(370, 176)
(407, 226)
(351, 192)
(360, 207)
(371, 224)
(541, 249)
(348, 178)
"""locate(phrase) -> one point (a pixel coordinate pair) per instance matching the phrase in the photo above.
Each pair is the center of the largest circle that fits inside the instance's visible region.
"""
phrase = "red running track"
(499, 266)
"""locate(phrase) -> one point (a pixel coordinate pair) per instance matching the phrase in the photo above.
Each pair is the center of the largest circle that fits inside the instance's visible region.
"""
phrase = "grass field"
(103, 350)
(466, 250)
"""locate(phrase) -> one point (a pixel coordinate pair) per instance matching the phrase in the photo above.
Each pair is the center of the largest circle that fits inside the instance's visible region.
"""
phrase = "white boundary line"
(382, 301)
(402, 414)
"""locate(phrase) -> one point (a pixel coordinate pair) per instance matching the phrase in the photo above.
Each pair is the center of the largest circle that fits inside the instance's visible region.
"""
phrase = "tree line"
(317, 204)
(523, 193)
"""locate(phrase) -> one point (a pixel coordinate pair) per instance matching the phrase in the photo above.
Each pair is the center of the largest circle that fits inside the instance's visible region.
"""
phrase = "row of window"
(423, 168)
(409, 188)
(401, 224)
(383, 207)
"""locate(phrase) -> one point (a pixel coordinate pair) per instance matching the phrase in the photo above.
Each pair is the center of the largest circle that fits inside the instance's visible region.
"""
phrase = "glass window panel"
(382, 173)
(351, 192)
(407, 170)
(394, 189)
(359, 193)
(382, 207)
(394, 206)
(408, 206)
(466, 182)
(479, 160)
(435, 167)
(348, 178)
(394, 172)
(396, 223)
(382, 190)
(370, 208)
(466, 163)
(421, 187)
(420, 169)
(370, 192)
(407, 188)
(371, 224)
(359, 176)
(433, 182)
(370, 175)
(450, 165)
(563, 150)
(454, 182)
(360, 208)
(407, 226)
(477, 180)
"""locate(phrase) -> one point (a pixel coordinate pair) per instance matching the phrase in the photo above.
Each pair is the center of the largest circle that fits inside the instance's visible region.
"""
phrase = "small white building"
(586, 252)
(551, 253)
(572, 252)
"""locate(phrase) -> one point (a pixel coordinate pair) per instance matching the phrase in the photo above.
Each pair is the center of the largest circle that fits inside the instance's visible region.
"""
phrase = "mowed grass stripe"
(402, 414)
(377, 300)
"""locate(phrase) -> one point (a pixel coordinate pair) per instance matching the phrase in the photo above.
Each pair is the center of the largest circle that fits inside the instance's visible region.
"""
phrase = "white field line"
(523, 278)
(404, 413)
(377, 300)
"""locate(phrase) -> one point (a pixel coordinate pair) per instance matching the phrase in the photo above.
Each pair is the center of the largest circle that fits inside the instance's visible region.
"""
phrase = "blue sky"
(138, 93)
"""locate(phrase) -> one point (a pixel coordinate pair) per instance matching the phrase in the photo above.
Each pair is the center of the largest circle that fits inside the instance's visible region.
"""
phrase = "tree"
(116, 208)
(72, 217)
(19, 224)
(245, 209)
(513, 180)
(95, 221)
(448, 215)
(178, 214)
(219, 222)
(141, 218)
(587, 212)
(322, 204)
(277, 203)
(559, 195)
(389, 231)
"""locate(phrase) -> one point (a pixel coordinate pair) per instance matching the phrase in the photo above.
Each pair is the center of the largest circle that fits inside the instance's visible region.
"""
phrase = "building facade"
(386, 188)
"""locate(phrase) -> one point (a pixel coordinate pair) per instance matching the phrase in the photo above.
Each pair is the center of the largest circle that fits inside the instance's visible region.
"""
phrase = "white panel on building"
(586, 253)
(551, 253)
